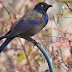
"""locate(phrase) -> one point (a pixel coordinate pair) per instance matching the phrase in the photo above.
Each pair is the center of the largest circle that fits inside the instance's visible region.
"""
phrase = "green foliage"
(26, 9)
(20, 56)
(29, 51)
(37, 57)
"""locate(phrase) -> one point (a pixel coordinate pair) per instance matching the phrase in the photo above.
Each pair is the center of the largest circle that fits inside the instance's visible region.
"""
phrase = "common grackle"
(30, 23)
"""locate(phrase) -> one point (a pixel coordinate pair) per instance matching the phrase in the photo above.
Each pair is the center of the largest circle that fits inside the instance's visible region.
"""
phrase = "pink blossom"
(65, 44)
(19, 66)
(31, 0)
(57, 44)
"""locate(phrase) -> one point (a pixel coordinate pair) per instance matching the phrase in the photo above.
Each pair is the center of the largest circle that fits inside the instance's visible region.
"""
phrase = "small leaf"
(20, 56)
(69, 37)
(65, 58)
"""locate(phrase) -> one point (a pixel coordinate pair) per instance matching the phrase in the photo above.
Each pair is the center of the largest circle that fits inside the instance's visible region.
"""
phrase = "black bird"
(30, 23)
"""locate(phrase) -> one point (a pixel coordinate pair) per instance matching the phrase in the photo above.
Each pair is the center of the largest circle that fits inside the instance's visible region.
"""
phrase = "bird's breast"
(45, 17)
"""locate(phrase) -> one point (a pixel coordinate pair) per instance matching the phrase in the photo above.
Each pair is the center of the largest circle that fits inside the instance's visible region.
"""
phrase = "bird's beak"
(50, 5)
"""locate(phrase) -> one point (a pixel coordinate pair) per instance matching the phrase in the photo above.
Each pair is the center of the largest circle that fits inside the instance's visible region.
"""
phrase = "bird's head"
(42, 6)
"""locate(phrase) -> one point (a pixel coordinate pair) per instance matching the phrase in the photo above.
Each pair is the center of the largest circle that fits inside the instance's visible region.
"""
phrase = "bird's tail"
(5, 44)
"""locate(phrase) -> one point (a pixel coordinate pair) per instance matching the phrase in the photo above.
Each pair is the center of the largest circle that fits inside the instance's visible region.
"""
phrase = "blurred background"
(21, 55)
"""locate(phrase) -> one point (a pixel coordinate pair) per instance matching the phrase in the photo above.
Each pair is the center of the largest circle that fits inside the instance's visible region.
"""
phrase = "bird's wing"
(26, 22)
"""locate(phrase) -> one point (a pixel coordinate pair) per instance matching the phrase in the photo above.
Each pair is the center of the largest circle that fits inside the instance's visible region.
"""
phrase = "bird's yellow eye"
(42, 5)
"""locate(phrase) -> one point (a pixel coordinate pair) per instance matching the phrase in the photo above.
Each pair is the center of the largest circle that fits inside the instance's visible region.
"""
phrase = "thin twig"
(26, 55)
(64, 68)
(70, 9)
(58, 28)
(6, 11)
(5, 8)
